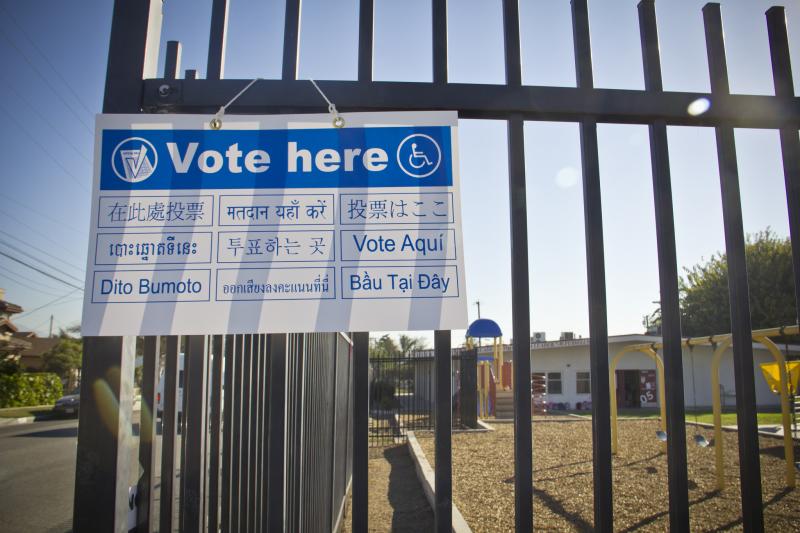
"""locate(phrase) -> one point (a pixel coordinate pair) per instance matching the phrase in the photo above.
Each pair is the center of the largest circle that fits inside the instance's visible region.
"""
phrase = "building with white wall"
(565, 364)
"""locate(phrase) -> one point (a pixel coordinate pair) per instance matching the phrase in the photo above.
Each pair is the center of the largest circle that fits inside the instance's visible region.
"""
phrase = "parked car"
(68, 404)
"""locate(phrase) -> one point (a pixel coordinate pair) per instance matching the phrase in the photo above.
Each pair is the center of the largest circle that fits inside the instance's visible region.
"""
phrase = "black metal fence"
(257, 437)
(132, 87)
(403, 393)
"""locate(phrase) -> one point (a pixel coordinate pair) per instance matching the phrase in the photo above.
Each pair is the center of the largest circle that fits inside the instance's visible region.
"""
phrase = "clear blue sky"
(54, 57)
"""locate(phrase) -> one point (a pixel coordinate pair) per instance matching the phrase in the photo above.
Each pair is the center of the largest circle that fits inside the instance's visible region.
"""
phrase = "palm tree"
(410, 344)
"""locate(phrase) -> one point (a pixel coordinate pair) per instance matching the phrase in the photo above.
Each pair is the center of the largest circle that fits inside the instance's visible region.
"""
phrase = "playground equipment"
(721, 343)
(490, 368)
(650, 351)
(699, 438)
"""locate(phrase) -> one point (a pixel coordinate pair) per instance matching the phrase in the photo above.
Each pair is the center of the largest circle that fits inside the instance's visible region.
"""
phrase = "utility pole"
(51, 327)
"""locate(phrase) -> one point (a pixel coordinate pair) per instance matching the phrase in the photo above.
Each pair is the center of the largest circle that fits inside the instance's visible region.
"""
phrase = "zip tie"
(338, 120)
(216, 122)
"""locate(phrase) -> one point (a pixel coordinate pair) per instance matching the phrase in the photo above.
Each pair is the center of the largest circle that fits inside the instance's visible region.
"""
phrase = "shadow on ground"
(410, 510)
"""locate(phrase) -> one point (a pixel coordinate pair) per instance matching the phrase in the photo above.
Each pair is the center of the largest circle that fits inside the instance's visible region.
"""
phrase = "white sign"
(275, 224)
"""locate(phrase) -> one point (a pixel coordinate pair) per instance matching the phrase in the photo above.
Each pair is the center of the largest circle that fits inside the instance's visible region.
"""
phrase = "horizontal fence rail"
(571, 104)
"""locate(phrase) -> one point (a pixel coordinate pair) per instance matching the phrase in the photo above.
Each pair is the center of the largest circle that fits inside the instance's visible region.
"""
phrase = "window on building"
(554, 382)
(583, 383)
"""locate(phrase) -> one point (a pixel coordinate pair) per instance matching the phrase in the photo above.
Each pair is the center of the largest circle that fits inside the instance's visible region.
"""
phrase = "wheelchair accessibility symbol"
(419, 155)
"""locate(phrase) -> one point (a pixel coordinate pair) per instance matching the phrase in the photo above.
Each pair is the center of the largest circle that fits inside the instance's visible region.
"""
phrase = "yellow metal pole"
(717, 339)
(719, 453)
(788, 444)
(481, 390)
(612, 384)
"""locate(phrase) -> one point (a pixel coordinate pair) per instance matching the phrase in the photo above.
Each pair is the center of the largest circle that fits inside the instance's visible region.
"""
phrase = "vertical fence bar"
(443, 481)
(247, 398)
(332, 442)
(521, 327)
(215, 68)
(277, 404)
(439, 28)
(227, 435)
(147, 434)
(513, 60)
(360, 432)
(217, 349)
(291, 39)
(366, 22)
(237, 392)
(168, 430)
(103, 462)
(668, 281)
(101, 495)
(172, 60)
(255, 440)
(744, 377)
(790, 146)
(132, 53)
(595, 270)
(194, 435)
(520, 295)
(262, 432)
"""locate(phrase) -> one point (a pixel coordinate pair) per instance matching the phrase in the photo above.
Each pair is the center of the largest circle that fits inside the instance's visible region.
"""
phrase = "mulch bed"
(483, 479)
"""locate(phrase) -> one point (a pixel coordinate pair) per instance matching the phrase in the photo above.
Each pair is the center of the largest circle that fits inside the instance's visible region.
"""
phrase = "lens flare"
(567, 177)
(699, 106)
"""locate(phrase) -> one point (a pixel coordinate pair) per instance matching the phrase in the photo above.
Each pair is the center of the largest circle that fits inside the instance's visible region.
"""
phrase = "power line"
(40, 271)
(45, 150)
(26, 225)
(49, 123)
(22, 30)
(51, 267)
(50, 303)
(45, 79)
(45, 215)
(59, 259)
(15, 278)
(38, 282)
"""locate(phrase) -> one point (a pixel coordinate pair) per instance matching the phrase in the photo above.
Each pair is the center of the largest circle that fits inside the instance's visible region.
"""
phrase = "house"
(10, 345)
(31, 357)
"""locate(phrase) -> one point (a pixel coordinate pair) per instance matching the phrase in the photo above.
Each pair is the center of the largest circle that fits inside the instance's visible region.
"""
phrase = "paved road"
(37, 476)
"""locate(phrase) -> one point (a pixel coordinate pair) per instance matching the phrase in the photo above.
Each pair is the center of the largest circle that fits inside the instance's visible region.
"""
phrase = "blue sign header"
(276, 159)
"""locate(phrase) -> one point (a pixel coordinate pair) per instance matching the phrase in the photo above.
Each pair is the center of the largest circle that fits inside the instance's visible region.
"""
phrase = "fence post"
(193, 472)
(360, 431)
(744, 377)
(147, 432)
(277, 403)
(103, 467)
(443, 480)
(469, 388)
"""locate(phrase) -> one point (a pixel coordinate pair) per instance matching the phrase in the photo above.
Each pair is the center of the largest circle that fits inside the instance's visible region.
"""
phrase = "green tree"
(704, 290)
(410, 344)
(383, 347)
(65, 356)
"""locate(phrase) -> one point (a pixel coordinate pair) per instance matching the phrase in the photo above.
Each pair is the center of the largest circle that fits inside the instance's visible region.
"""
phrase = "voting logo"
(134, 160)
(419, 155)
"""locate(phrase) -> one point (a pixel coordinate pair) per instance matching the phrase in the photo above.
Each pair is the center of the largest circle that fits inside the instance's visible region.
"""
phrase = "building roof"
(9, 308)
(39, 346)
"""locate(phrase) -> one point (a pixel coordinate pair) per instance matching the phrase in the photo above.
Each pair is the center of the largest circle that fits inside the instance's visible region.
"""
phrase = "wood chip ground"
(483, 479)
